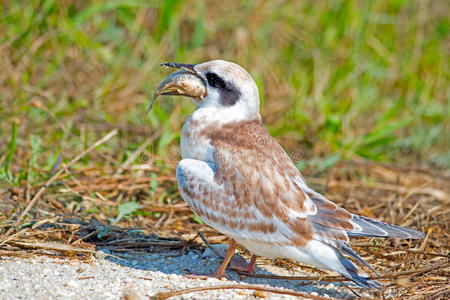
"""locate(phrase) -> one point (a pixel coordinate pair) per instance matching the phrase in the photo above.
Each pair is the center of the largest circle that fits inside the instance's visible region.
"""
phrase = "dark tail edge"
(365, 282)
(366, 227)
(352, 272)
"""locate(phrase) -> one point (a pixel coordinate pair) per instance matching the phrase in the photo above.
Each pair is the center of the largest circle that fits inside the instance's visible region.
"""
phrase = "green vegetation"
(338, 79)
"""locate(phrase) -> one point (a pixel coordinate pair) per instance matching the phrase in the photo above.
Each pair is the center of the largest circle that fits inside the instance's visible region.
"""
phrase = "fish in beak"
(185, 82)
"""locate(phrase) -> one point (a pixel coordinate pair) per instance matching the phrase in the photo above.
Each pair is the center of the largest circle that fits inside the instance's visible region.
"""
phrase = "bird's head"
(219, 87)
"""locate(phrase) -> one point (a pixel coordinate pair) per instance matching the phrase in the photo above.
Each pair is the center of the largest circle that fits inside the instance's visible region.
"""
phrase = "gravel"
(140, 276)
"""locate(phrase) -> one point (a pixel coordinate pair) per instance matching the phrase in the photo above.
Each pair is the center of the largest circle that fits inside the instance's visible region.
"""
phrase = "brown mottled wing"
(257, 173)
(252, 190)
(331, 222)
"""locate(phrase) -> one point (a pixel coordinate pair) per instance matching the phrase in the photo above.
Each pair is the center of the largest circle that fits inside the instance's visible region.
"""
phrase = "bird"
(238, 179)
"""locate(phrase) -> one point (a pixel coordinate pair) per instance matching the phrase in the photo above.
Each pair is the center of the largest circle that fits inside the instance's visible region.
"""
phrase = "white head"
(221, 90)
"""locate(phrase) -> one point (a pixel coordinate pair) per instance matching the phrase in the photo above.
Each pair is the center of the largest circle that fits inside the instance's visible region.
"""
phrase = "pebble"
(73, 283)
(219, 248)
(137, 277)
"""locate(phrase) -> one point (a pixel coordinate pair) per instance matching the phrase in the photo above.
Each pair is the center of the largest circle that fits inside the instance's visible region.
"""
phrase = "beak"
(185, 82)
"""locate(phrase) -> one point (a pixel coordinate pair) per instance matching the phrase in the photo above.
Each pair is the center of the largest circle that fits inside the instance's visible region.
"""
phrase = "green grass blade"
(105, 6)
(12, 146)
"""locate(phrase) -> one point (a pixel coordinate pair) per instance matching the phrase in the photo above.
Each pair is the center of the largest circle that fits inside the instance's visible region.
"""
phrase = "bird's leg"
(221, 270)
(251, 266)
(230, 252)
(240, 264)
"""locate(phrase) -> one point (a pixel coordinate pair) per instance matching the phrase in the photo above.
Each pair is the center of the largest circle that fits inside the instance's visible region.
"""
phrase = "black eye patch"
(215, 81)
(229, 94)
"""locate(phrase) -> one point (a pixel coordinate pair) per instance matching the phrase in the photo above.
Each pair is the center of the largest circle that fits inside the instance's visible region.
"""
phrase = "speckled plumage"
(240, 181)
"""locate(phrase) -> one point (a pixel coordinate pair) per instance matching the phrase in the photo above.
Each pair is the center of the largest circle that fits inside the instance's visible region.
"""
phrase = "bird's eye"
(215, 81)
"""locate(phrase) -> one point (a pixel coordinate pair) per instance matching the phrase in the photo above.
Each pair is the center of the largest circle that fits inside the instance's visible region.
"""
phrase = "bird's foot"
(238, 263)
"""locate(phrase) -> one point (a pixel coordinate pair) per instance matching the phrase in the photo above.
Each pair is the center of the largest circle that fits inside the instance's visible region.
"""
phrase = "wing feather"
(364, 226)
(252, 191)
(259, 173)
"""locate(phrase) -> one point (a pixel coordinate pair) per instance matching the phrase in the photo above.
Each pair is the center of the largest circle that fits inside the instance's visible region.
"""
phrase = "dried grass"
(412, 197)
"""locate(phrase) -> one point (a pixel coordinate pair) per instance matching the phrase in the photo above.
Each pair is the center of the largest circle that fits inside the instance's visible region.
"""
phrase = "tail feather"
(327, 256)
(355, 274)
(367, 227)
(346, 249)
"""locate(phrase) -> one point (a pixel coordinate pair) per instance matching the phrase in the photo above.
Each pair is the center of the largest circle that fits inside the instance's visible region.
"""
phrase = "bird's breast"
(194, 143)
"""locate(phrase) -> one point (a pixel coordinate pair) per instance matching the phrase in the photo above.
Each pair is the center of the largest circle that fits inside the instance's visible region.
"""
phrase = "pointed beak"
(185, 82)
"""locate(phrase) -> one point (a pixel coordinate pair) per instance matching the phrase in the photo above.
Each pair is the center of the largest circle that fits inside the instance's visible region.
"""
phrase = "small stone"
(259, 294)
(212, 279)
(101, 254)
(221, 249)
(208, 253)
(73, 283)
(131, 295)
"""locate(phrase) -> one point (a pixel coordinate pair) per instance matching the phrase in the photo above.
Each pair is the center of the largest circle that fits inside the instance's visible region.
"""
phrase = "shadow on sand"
(132, 248)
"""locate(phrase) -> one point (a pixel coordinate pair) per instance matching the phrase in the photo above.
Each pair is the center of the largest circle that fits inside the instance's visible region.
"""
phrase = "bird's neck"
(220, 116)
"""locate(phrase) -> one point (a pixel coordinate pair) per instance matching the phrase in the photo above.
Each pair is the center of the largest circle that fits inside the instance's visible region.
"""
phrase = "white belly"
(315, 253)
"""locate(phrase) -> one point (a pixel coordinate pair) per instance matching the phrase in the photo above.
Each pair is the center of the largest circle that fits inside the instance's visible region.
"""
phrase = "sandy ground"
(140, 277)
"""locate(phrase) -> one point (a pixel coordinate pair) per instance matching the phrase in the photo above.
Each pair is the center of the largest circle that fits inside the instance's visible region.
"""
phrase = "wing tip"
(372, 228)
(415, 234)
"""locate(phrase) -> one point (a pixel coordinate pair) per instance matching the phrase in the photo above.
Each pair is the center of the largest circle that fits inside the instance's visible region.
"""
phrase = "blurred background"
(338, 80)
(357, 92)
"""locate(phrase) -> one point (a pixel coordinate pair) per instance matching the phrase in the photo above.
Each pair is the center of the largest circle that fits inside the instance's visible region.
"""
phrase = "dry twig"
(166, 295)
